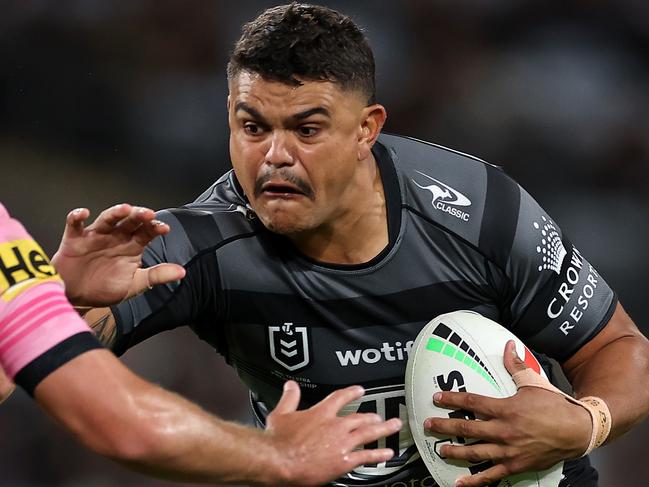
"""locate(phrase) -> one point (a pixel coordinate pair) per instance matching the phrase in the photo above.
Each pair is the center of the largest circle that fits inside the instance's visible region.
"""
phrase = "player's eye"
(307, 131)
(252, 128)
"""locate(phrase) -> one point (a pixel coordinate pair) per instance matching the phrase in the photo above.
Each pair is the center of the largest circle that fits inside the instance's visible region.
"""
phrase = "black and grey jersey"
(462, 235)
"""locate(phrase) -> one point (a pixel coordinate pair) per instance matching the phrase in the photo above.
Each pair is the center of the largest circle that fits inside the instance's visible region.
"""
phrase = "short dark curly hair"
(310, 42)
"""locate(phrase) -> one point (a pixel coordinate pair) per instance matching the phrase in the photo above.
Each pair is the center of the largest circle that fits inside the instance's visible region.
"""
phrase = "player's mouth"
(281, 190)
(290, 188)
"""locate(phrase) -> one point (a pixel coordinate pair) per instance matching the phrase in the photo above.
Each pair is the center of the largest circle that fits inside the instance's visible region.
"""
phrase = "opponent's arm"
(159, 433)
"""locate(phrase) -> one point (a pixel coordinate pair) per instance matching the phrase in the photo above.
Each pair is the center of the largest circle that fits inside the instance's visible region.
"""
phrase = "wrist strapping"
(596, 407)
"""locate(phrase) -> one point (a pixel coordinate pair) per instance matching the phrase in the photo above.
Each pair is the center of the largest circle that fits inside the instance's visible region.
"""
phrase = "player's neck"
(359, 230)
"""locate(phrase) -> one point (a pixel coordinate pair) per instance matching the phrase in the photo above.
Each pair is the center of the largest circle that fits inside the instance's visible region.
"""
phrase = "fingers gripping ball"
(462, 352)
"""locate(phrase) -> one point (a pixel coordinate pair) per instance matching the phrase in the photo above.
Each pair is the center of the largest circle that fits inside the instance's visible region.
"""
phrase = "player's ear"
(228, 104)
(372, 121)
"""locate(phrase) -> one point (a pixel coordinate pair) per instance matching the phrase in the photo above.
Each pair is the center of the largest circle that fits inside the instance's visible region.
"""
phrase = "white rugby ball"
(462, 352)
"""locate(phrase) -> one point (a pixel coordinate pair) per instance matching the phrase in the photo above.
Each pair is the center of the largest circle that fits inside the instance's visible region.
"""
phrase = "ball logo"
(289, 346)
(551, 249)
(445, 341)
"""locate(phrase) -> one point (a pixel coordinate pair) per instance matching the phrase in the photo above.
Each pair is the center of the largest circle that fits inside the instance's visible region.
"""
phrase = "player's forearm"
(103, 324)
(119, 415)
(617, 373)
(179, 441)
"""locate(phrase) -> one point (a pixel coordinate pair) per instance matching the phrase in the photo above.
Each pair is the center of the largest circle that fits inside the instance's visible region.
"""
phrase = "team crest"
(289, 346)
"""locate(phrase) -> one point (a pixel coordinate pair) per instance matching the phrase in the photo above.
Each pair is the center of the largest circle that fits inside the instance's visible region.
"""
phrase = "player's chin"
(285, 228)
(284, 224)
(284, 219)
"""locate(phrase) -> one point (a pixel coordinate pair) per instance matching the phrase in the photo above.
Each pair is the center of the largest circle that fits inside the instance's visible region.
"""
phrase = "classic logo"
(551, 247)
(445, 198)
(289, 346)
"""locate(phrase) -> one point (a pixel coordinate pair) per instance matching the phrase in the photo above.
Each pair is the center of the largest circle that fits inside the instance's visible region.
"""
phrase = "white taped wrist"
(601, 417)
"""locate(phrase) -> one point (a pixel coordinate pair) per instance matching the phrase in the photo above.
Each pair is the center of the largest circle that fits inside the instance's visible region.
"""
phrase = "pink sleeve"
(34, 312)
(34, 322)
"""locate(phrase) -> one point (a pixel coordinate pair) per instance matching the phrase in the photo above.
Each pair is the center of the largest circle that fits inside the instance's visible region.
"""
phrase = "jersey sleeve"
(35, 316)
(169, 306)
(556, 300)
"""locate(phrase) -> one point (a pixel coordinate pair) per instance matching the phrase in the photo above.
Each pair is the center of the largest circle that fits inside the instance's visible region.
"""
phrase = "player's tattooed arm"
(102, 321)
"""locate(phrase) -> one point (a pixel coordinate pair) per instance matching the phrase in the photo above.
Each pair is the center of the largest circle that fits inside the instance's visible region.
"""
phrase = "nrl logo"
(289, 346)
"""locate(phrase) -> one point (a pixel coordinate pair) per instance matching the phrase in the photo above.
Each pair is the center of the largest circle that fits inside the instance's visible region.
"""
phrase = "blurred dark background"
(109, 101)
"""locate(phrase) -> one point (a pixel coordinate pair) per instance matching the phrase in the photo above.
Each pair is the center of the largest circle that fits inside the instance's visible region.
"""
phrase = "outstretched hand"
(100, 263)
(317, 445)
(529, 431)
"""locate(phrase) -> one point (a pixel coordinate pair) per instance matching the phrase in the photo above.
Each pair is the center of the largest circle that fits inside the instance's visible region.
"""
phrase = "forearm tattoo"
(105, 328)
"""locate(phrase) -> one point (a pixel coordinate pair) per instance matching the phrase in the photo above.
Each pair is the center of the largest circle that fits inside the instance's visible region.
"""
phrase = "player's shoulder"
(218, 216)
(451, 189)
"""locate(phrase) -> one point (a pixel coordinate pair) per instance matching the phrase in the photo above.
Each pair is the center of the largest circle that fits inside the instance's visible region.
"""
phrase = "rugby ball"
(462, 352)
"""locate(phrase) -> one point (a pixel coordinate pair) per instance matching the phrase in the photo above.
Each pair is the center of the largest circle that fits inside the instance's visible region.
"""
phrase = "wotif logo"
(387, 352)
(445, 198)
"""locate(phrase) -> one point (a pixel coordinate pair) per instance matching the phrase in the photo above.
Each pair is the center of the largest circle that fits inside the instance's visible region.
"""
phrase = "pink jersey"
(34, 312)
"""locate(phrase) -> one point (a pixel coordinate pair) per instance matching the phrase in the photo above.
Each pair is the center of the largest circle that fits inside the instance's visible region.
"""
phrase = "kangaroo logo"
(445, 198)
(443, 192)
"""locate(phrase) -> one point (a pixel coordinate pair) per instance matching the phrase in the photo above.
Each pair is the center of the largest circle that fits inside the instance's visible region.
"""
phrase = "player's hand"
(530, 431)
(100, 263)
(318, 446)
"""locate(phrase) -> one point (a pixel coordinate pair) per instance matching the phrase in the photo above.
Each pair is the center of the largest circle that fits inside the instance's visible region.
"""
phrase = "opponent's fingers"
(465, 428)
(290, 399)
(357, 420)
(335, 401)
(74, 222)
(107, 219)
(371, 456)
(369, 433)
(482, 405)
(513, 363)
(136, 218)
(486, 477)
(150, 230)
(475, 453)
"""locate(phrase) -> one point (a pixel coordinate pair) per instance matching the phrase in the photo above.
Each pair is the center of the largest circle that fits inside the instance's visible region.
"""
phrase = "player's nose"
(280, 149)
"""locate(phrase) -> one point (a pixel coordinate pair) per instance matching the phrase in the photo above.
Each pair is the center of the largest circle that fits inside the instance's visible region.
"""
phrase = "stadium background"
(105, 101)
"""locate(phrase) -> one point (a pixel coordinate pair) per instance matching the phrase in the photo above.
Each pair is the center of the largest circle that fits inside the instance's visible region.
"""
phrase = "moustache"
(280, 176)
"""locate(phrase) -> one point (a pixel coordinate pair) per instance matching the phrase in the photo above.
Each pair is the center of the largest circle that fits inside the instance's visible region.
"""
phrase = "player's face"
(295, 149)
